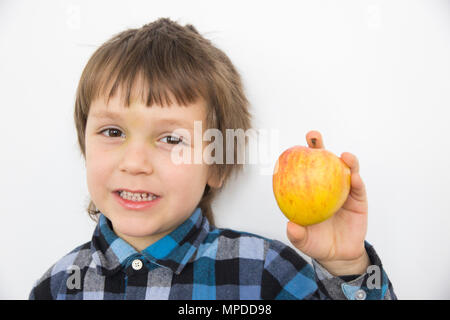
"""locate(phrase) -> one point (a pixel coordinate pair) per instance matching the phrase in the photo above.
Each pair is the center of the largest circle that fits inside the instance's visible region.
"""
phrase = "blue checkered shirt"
(199, 261)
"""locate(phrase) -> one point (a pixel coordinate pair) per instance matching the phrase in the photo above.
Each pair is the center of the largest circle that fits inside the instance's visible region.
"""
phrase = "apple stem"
(313, 141)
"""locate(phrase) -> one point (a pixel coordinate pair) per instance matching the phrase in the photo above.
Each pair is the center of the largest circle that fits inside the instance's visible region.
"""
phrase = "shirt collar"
(110, 253)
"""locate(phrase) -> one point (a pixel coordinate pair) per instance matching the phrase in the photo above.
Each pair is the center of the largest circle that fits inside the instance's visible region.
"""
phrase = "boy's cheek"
(187, 179)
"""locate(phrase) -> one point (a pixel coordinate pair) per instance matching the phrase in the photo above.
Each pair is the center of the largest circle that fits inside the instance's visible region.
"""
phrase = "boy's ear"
(214, 181)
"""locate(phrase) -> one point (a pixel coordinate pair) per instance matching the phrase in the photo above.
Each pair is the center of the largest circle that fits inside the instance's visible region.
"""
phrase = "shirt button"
(360, 295)
(136, 264)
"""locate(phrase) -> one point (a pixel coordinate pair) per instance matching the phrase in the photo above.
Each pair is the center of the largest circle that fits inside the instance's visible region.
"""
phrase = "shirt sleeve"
(372, 285)
(41, 291)
(287, 276)
(43, 288)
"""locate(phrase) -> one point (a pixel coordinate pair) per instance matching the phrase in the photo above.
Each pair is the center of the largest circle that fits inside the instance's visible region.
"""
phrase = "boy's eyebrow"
(105, 114)
(114, 116)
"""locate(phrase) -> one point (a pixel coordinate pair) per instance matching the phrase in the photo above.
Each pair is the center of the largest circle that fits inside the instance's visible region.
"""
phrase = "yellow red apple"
(309, 184)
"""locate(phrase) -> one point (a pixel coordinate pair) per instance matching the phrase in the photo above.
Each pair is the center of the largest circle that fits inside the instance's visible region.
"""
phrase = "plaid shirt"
(198, 261)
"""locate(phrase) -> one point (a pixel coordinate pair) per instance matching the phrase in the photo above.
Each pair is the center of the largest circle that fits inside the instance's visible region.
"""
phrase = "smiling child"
(155, 236)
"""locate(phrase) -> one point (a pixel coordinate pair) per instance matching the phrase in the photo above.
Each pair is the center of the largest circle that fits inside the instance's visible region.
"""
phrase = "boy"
(155, 237)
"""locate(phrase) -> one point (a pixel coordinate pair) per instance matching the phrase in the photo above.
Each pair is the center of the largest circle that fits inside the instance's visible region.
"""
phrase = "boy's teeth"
(137, 196)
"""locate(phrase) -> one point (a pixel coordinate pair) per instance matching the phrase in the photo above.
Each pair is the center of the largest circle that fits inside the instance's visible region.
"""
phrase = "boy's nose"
(136, 161)
(133, 168)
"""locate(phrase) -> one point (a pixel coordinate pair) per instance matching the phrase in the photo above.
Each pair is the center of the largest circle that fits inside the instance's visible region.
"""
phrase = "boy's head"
(162, 71)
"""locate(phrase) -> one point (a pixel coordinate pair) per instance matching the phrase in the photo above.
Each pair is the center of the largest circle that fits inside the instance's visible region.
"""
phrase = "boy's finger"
(314, 139)
(296, 234)
(351, 161)
(358, 188)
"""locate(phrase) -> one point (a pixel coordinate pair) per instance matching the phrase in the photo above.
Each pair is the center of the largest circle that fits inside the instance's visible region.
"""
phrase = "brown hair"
(173, 61)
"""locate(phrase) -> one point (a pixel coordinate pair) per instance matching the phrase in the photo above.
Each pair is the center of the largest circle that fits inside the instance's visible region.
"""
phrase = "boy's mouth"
(137, 196)
(134, 202)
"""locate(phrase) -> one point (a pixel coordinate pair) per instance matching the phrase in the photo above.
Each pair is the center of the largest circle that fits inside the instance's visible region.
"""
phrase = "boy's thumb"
(297, 234)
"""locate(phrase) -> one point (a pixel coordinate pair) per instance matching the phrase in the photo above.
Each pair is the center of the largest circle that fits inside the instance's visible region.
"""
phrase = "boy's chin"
(135, 227)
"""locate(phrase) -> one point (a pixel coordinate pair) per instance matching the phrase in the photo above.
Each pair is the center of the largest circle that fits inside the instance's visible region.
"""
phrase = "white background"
(372, 76)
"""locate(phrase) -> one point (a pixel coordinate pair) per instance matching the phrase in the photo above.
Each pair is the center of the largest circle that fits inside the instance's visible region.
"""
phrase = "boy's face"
(135, 154)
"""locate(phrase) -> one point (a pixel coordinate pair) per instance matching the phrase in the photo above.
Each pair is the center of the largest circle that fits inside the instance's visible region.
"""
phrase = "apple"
(309, 184)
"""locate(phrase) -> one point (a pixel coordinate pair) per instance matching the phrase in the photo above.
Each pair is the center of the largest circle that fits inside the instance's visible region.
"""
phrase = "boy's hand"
(338, 242)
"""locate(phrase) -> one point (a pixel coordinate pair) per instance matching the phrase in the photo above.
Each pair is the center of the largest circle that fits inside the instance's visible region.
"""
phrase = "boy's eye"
(174, 139)
(111, 130)
(114, 133)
